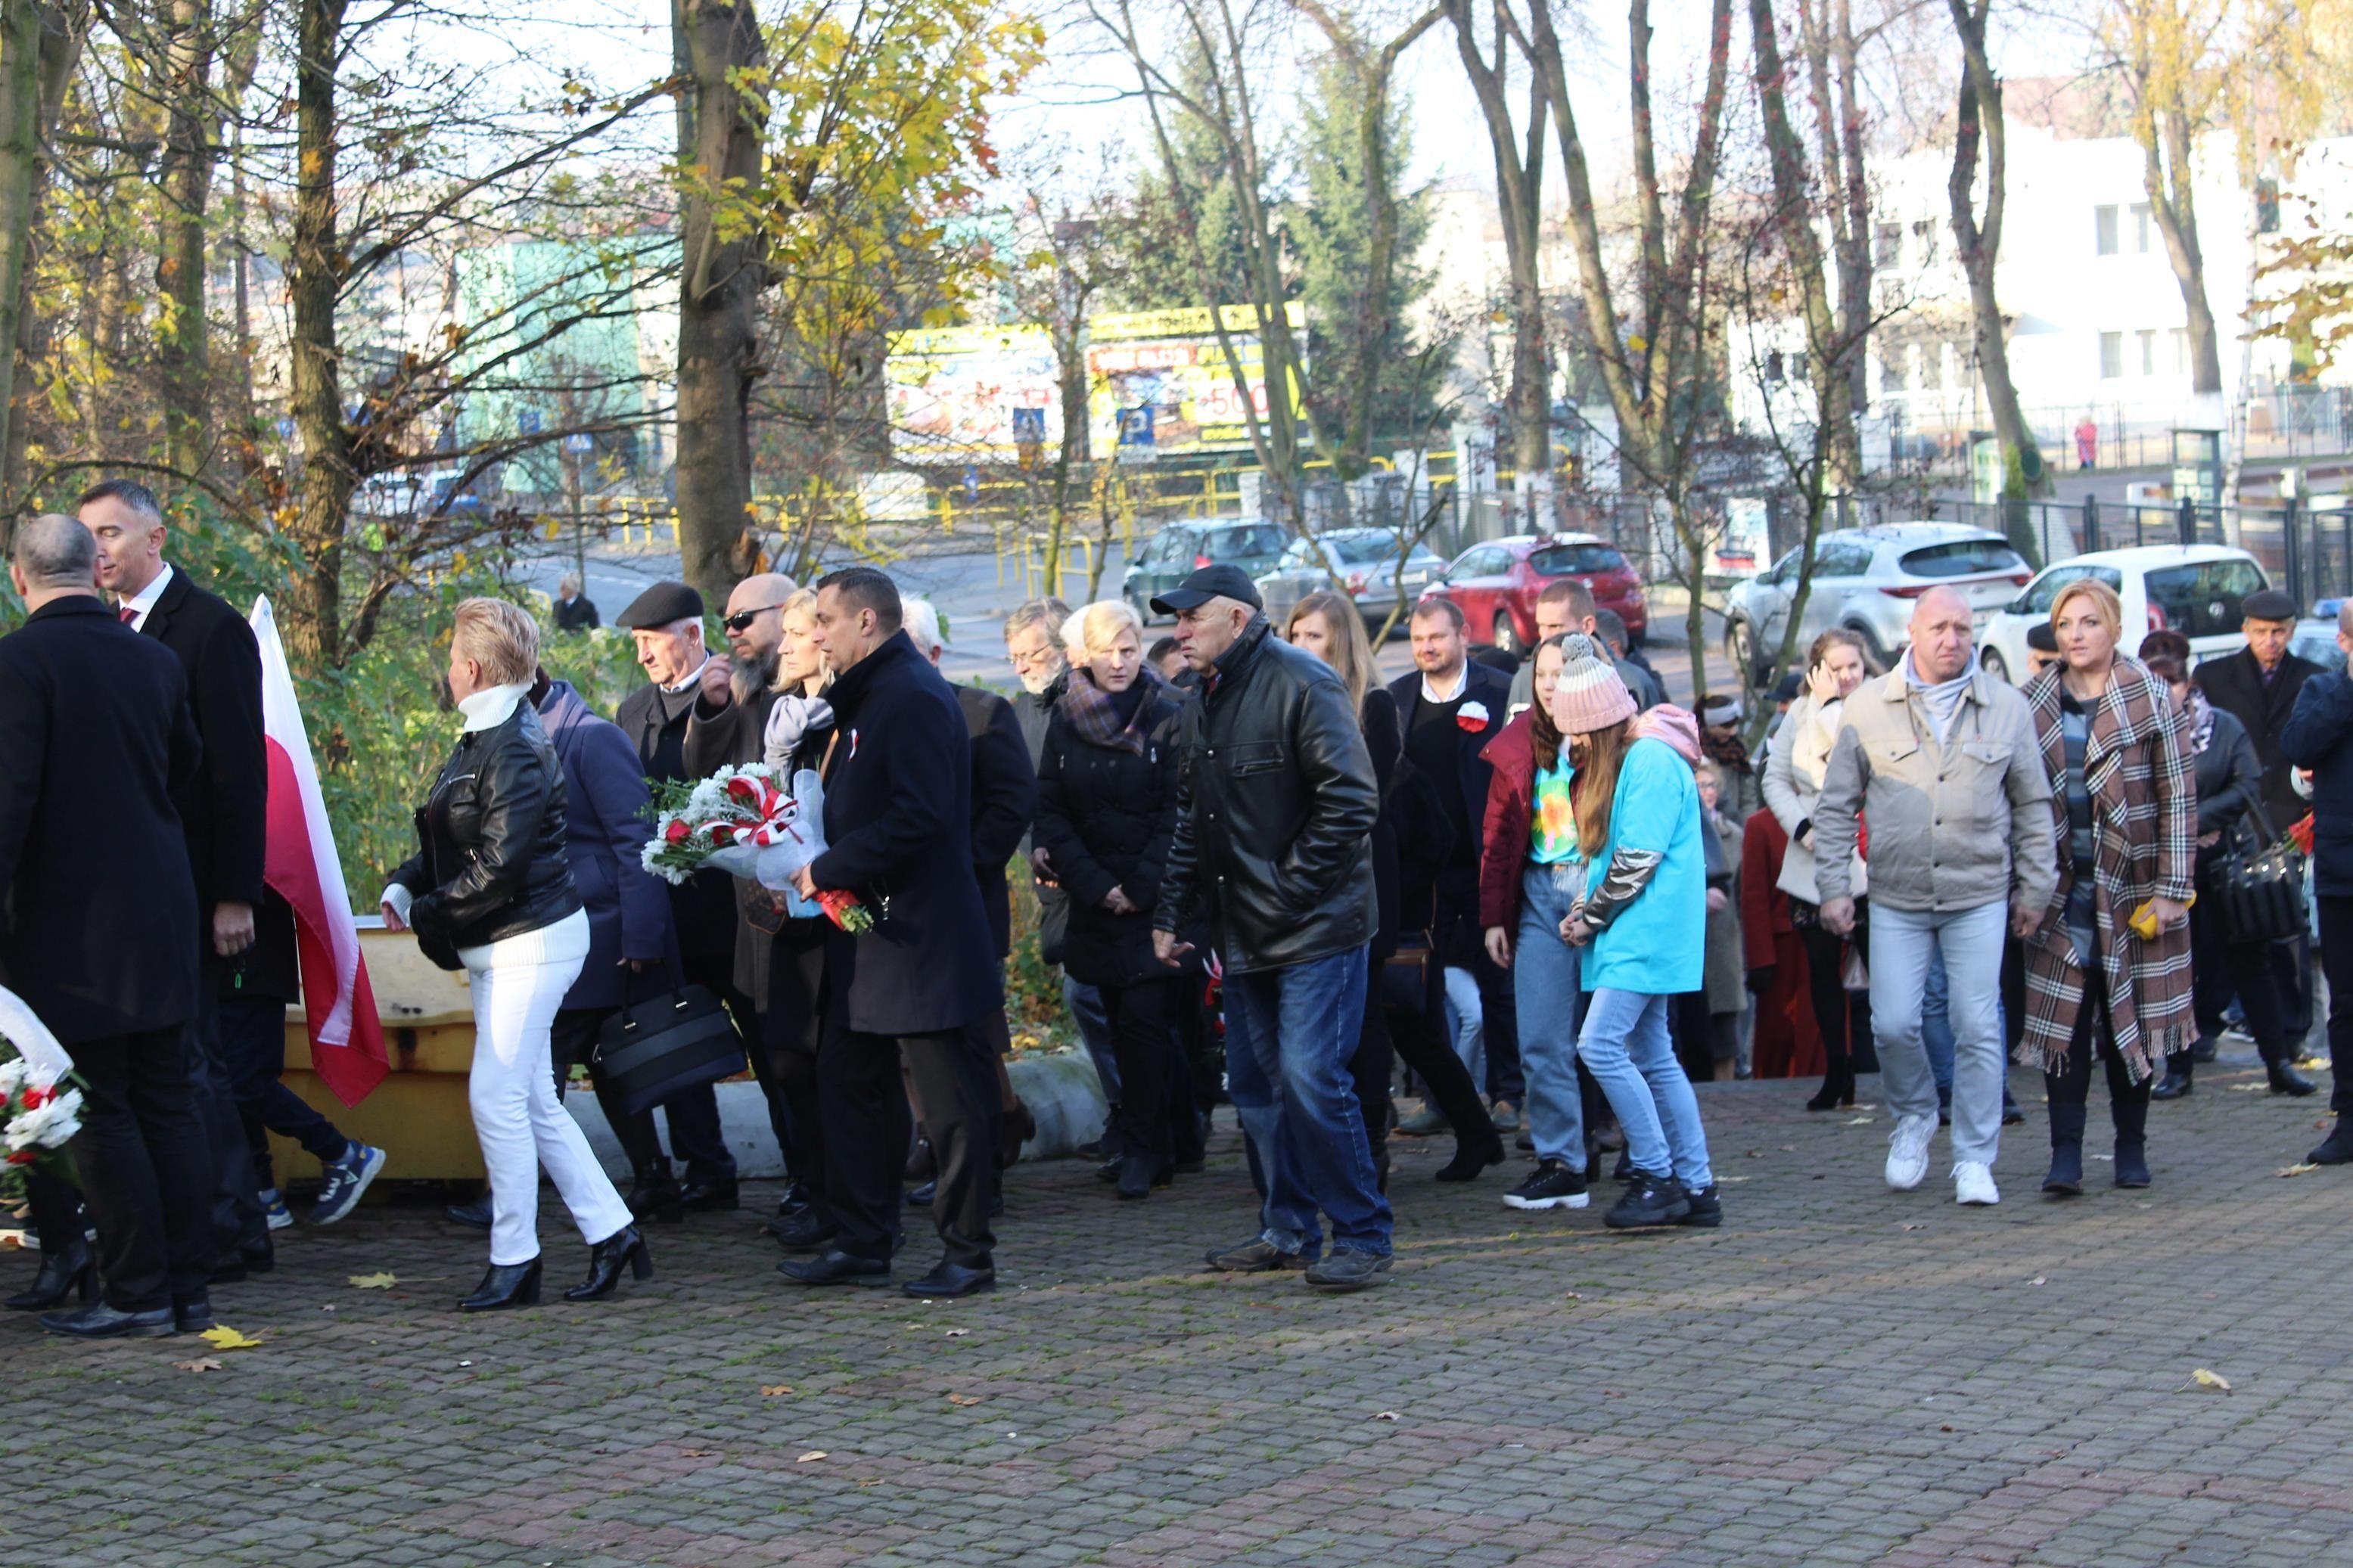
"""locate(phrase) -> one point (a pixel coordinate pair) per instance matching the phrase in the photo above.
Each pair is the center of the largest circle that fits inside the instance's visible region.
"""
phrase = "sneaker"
(1706, 1208)
(1506, 1116)
(1552, 1185)
(1651, 1200)
(344, 1181)
(1256, 1256)
(1348, 1269)
(1907, 1151)
(1426, 1122)
(1973, 1183)
(274, 1206)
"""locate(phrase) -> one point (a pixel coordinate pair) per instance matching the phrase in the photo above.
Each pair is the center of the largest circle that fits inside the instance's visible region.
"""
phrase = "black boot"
(2131, 1117)
(623, 1248)
(2280, 1067)
(67, 1271)
(2066, 1177)
(1838, 1085)
(506, 1286)
(1136, 1173)
(654, 1194)
(1471, 1157)
(2176, 1083)
(2336, 1149)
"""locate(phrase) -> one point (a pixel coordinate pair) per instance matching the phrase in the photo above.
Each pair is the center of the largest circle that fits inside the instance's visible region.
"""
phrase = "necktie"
(128, 614)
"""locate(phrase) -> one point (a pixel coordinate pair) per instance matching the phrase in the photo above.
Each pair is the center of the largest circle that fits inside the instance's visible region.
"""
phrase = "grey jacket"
(1952, 827)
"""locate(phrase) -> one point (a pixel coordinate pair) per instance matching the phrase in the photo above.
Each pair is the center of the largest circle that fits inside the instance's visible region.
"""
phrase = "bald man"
(2319, 736)
(1942, 762)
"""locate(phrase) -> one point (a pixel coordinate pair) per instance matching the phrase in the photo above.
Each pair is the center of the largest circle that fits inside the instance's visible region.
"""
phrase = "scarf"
(1943, 700)
(792, 716)
(2200, 715)
(1113, 719)
(1725, 750)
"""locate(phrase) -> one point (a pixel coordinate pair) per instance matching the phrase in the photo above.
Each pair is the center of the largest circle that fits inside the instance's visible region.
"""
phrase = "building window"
(2112, 351)
(1924, 242)
(1887, 245)
(2181, 336)
(2103, 231)
(2149, 352)
(1773, 368)
(2141, 225)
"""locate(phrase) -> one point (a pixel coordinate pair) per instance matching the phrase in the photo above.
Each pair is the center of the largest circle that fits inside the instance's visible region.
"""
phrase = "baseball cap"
(1210, 582)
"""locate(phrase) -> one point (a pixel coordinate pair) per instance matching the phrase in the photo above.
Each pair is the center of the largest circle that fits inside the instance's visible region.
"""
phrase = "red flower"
(722, 833)
(745, 790)
(35, 1097)
(24, 1157)
(2301, 831)
(843, 909)
(678, 832)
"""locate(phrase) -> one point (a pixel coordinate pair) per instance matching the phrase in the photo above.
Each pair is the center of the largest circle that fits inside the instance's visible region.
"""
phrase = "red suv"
(1496, 585)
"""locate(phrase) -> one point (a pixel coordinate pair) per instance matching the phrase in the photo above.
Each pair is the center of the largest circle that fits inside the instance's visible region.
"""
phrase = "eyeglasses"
(1027, 658)
(743, 618)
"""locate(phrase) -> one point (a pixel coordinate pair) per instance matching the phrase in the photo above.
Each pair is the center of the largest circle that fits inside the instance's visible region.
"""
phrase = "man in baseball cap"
(1210, 582)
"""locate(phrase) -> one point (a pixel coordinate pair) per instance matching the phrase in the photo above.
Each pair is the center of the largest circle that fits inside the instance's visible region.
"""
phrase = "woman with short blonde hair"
(1094, 628)
(499, 637)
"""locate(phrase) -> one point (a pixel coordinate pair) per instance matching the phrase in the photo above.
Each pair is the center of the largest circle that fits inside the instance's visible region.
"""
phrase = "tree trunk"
(1519, 185)
(40, 44)
(720, 133)
(2167, 177)
(185, 181)
(314, 283)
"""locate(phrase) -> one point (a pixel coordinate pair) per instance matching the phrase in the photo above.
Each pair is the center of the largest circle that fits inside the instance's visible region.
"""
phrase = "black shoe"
(1624, 1170)
(793, 1200)
(1107, 1171)
(2173, 1086)
(811, 1230)
(709, 1197)
(474, 1216)
(1827, 1097)
(1706, 1209)
(654, 1195)
(99, 1321)
(2065, 1178)
(1256, 1256)
(836, 1268)
(1139, 1173)
(1472, 1159)
(2285, 1079)
(1192, 1167)
(2012, 1116)
(2202, 1048)
(192, 1314)
(2132, 1165)
(1651, 1200)
(2336, 1149)
(946, 1281)
(623, 1248)
(69, 1270)
(1552, 1185)
(506, 1286)
(921, 1197)
(258, 1257)
(1348, 1269)
(922, 1163)
(1526, 1143)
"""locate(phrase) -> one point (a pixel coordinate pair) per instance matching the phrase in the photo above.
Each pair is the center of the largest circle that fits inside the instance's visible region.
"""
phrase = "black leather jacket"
(1275, 807)
(491, 860)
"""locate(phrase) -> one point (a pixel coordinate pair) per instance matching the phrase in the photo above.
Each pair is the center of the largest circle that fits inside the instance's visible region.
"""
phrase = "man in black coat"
(2258, 686)
(102, 946)
(898, 824)
(1450, 708)
(223, 811)
(666, 620)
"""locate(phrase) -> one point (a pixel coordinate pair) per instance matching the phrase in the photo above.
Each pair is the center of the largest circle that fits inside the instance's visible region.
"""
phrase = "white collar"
(1461, 681)
(689, 680)
(489, 708)
(142, 601)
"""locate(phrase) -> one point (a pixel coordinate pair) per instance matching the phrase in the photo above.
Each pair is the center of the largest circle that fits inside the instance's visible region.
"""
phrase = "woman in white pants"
(489, 890)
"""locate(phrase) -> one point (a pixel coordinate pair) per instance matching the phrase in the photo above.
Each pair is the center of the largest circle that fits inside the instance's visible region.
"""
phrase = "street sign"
(579, 445)
(527, 421)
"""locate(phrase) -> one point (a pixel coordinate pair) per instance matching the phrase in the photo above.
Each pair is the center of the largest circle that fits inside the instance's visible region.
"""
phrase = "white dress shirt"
(140, 603)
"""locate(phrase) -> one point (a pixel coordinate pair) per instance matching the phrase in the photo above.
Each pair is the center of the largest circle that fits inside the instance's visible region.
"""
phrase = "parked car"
(1865, 580)
(2195, 589)
(1366, 560)
(1497, 584)
(1180, 548)
(2315, 640)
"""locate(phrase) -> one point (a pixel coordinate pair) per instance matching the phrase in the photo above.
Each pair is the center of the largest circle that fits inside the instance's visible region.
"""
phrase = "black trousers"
(2219, 968)
(695, 1132)
(865, 1114)
(1842, 1015)
(784, 1060)
(1409, 1007)
(2291, 967)
(145, 1168)
(253, 1050)
(1370, 1068)
(2071, 1090)
(240, 1224)
(1146, 1048)
(2337, 963)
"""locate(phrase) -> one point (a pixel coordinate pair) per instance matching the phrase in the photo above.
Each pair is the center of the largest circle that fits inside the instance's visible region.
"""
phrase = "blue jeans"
(1289, 1035)
(1964, 948)
(1624, 1046)
(1544, 982)
(1936, 1031)
(1465, 1022)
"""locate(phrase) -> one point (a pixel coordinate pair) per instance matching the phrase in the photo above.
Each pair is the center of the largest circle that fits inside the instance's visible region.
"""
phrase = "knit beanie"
(1589, 695)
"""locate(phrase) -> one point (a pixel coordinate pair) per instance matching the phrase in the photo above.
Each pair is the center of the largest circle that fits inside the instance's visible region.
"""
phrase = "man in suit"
(898, 821)
(93, 719)
(2258, 686)
(1450, 707)
(666, 621)
(224, 813)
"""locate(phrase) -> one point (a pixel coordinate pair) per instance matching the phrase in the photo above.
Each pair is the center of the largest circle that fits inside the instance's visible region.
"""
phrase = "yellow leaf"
(964, 1399)
(2298, 1170)
(225, 1338)
(812, 1454)
(374, 1281)
(770, 1390)
(2214, 1380)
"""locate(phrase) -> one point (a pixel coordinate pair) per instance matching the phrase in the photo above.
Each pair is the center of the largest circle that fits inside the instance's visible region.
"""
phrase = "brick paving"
(1841, 1375)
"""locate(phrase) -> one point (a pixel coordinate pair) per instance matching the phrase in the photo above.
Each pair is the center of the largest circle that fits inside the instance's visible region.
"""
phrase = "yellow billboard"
(973, 394)
(1160, 383)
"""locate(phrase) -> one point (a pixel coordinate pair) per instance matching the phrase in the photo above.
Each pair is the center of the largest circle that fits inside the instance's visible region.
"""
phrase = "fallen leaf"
(2036, 1280)
(770, 1390)
(1388, 1415)
(209, 1363)
(225, 1338)
(2206, 1379)
(2249, 1088)
(2298, 1170)
(964, 1399)
(1944, 1429)
(958, 1333)
(695, 1453)
(373, 1282)
(812, 1454)
(1914, 1225)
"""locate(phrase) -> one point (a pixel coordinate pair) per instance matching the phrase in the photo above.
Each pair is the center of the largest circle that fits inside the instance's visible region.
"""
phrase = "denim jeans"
(1464, 1019)
(1544, 975)
(1086, 1005)
(1965, 947)
(1289, 1036)
(1624, 1046)
(1937, 1032)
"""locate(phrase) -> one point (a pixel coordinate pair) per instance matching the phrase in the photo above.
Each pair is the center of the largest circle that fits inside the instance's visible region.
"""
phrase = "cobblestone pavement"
(1839, 1374)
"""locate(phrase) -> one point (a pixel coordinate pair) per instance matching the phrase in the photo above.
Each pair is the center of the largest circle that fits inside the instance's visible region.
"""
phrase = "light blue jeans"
(1966, 946)
(1544, 983)
(1624, 1044)
(1466, 1022)
(1289, 1036)
(1936, 1031)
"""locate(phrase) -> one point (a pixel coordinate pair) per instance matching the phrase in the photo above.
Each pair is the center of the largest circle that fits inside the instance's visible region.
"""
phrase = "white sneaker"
(1907, 1151)
(1973, 1183)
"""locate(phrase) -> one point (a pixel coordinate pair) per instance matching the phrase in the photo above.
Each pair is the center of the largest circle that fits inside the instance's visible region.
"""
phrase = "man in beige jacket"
(1941, 760)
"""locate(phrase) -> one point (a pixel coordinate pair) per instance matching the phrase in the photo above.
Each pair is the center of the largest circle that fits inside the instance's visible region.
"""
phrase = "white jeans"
(518, 985)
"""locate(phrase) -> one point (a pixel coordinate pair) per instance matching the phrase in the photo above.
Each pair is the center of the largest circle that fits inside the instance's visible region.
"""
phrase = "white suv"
(2194, 589)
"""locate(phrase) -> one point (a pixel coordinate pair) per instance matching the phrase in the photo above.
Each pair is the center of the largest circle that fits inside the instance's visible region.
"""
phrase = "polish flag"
(299, 861)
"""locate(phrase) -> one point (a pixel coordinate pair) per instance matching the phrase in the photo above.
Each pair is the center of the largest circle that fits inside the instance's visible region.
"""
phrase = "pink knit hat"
(1589, 695)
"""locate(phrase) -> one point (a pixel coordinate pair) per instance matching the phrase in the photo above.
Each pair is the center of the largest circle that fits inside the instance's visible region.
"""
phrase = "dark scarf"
(1725, 750)
(1103, 718)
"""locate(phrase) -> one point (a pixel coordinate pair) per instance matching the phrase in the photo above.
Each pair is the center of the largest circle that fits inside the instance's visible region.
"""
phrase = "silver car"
(1364, 560)
(1866, 579)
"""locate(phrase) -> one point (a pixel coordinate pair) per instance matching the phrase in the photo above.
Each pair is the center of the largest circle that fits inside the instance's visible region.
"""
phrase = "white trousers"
(518, 1119)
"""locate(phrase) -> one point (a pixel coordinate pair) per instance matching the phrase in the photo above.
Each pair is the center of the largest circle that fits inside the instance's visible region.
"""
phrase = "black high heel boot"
(2180, 1080)
(65, 1272)
(2066, 1176)
(507, 1285)
(2131, 1117)
(606, 1260)
(655, 1194)
(1473, 1156)
(1838, 1083)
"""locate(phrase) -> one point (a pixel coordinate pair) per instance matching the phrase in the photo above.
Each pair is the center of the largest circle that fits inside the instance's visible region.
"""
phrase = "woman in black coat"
(2230, 782)
(1106, 812)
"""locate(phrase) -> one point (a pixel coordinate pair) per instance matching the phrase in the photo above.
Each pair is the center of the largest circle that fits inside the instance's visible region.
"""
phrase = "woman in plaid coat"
(2124, 804)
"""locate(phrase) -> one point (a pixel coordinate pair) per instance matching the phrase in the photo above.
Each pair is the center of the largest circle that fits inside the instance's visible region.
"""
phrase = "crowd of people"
(1552, 898)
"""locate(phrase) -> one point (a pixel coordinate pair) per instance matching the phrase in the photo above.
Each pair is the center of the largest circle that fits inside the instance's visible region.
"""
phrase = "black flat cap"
(659, 605)
(2268, 605)
(1786, 689)
(2042, 638)
(1210, 582)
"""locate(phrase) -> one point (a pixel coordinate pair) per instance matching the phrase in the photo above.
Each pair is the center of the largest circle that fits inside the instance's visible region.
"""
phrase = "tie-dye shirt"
(1552, 823)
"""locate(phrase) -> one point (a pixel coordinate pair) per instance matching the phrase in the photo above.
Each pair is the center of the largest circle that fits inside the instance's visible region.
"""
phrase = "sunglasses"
(743, 618)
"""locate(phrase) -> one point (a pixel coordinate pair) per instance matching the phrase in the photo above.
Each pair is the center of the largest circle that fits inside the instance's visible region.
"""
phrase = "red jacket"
(1511, 800)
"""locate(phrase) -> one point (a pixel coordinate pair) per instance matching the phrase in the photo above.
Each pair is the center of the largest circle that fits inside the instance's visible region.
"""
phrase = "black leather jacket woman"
(491, 861)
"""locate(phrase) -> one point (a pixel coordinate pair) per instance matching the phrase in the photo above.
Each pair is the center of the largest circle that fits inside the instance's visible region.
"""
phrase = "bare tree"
(1519, 157)
(40, 44)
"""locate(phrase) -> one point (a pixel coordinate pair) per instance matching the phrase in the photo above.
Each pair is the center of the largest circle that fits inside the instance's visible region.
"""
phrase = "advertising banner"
(1159, 383)
(971, 394)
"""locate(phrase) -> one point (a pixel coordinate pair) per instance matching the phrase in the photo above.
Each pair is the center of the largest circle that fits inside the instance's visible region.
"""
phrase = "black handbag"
(2257, 883)
(652, 1050)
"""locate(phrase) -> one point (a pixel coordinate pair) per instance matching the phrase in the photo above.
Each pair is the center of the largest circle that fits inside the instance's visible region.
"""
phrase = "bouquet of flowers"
(38, 1116)
(740, 822)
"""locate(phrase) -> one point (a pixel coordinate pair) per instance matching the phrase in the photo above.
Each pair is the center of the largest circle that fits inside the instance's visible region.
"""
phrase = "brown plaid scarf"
(1089, 709)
